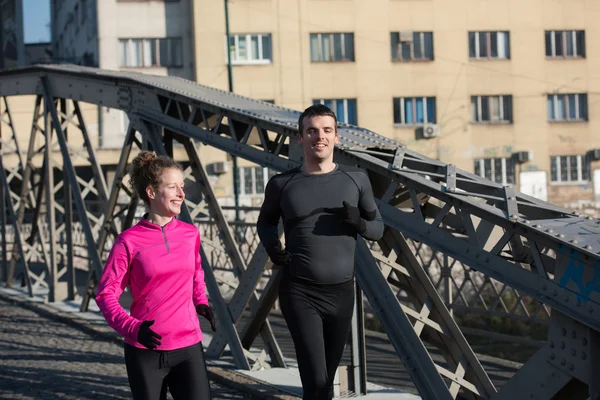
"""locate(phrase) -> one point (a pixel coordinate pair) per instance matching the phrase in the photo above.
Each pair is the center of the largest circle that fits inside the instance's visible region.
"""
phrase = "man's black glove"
(207, 312)
(279, 256)
(147, 336)
(351, 215)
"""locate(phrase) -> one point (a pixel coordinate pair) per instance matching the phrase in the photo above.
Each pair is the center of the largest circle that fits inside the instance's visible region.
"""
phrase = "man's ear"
(299, 137)
(150, 192)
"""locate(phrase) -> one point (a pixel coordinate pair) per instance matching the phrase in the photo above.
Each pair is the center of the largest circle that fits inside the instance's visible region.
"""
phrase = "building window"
(565, 44)
(345, 109)
(157, 52)
(250, 49)
(490, 109)
(408, 46)
(573, 168)
(499, 170)
(489, 45)
(252, 180)
(330, 47)
(567, 107)
(414, 110)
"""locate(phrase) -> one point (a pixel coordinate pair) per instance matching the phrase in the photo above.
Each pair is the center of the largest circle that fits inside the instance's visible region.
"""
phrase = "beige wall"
(373, 79)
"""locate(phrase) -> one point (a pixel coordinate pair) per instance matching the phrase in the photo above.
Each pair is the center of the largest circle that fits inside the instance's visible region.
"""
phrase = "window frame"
(319, 37)
(396, 38)
(477, 113)
(155, 43)
(507, 165)
(402, 107)
(345, 102)
(235, 57)
(565, 98)
(564, 37)
(583, 170)
(267, 174)
(488, 35)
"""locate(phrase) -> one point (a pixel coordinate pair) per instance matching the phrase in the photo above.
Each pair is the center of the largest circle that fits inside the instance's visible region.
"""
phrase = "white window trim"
(155, 43)
(479, 112)
(580, 166)
(503, 34)
(565, 98)
(564, 36)
(403, 114)
(235, 60)
(334, 103)
(481, 162)
(331, 36)
(242, 180)
(412, 49)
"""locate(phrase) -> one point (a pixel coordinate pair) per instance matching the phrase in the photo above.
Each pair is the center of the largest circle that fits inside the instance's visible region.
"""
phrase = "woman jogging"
(159, 258)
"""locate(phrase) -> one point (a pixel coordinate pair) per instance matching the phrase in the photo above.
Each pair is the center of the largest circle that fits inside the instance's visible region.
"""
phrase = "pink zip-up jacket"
(162, 266)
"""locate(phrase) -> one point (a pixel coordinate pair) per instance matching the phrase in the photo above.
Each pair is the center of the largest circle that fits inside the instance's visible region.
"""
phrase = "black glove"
(279, 256)
(207, 312)
(147, 336)
(351, 215)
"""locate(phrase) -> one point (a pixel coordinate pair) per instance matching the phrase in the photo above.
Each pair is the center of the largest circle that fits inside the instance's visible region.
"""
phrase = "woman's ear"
(150, 192)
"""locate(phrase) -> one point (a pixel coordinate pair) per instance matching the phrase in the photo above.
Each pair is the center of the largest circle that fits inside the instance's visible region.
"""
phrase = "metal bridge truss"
(515, 242)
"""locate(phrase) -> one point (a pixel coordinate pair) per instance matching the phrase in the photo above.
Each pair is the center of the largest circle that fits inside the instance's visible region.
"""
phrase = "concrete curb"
(254, 388)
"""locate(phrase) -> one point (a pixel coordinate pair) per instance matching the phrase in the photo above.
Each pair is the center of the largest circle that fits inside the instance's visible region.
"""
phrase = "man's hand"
(147, 336)
(207, 312)
(279, 256)
(351, 215)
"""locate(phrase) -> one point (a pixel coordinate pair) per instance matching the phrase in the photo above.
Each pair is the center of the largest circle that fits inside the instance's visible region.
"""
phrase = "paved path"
(45, 359)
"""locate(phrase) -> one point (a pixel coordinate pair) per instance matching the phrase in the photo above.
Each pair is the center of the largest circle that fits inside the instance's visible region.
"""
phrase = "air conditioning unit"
(218, 168)
(406, 36)
(594, 154)
(428, 131)
(523, 156)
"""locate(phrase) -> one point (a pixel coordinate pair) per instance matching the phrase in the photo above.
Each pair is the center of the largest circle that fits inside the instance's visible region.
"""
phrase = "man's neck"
(318, 167)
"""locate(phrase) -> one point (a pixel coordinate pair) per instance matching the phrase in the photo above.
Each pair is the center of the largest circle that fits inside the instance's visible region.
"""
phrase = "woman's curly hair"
(146, 171)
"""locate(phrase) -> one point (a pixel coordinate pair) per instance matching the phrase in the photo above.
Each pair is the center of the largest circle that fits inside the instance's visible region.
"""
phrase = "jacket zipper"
(162, 228)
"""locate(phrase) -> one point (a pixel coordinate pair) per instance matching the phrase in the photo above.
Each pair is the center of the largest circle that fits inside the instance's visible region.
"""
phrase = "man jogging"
(324, 205)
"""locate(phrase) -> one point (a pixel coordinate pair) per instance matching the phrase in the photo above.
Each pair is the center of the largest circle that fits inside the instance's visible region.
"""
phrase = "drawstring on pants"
(163, 360)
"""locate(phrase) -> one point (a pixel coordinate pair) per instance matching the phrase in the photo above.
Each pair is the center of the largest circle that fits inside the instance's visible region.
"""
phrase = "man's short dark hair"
(316, 110)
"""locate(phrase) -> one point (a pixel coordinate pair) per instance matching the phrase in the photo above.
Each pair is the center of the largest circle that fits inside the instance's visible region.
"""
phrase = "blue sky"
(36, 16)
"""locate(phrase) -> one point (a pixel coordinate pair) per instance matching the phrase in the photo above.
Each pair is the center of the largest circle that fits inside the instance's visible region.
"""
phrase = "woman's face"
(166, 200)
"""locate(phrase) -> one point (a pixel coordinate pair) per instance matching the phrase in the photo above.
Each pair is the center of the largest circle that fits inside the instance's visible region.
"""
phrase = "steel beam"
(69, 171)
(109, 227)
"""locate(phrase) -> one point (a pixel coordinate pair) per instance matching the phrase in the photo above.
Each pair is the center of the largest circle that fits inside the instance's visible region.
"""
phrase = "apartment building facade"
(146, 36)
(505, 89)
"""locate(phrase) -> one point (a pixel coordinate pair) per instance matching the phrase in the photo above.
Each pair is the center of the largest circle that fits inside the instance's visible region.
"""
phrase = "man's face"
(319, 137)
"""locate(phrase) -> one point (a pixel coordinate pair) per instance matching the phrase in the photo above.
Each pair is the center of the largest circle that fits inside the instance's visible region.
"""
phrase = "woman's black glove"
(147, 336)
(207, 312)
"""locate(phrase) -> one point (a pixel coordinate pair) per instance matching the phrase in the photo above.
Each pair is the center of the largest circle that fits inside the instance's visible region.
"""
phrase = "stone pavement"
(269, 384)
(44, 358)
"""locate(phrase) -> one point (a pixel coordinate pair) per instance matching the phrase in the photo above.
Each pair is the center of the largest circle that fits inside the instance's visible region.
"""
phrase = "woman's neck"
(158, 219)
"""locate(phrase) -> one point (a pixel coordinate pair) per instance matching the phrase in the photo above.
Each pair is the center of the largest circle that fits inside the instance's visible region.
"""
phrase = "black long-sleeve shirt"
(322, 245)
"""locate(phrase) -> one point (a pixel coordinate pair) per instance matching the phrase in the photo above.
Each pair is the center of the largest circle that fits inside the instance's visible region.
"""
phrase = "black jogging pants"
(182, 370)
(319, 318)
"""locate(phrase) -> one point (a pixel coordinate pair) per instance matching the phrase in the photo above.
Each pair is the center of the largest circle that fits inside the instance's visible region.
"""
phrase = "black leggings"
(319, 318)
(182, 370)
